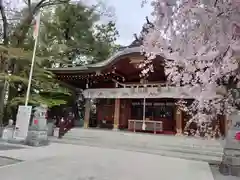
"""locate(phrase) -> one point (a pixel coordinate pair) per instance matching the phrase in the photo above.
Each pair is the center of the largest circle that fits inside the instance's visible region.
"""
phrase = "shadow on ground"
(218, 176)
(4, 161)
(5, 147)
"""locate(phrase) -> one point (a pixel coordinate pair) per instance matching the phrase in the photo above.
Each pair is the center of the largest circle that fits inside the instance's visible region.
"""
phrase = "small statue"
(10, 123)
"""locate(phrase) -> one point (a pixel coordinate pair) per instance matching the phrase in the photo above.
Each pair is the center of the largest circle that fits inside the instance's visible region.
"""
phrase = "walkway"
(72, 162)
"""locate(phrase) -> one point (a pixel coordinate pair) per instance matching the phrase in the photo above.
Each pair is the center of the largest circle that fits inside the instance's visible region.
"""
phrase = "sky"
(129, 16)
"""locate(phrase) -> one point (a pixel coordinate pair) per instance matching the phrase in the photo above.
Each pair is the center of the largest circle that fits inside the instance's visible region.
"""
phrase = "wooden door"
(166, 115)
(105, 113)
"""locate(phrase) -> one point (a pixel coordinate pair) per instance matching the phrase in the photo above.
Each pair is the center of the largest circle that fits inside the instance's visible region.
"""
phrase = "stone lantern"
(38, 131)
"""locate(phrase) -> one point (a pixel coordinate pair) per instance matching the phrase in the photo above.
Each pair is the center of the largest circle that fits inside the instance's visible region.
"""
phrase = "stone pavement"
(5, 147)
(75, 162)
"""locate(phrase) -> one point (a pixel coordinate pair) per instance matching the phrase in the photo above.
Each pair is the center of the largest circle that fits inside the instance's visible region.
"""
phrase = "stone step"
(145, 142)
(210, 158)
(174, 146)
(113, 135)
(169, 147)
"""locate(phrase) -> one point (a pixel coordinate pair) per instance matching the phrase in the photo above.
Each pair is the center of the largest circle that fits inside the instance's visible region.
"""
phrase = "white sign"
(22, 123)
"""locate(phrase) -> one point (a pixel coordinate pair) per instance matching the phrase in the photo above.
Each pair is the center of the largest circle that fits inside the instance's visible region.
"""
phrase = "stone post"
(231, 159)
(178, 121)
(116, 114)
(87, 113)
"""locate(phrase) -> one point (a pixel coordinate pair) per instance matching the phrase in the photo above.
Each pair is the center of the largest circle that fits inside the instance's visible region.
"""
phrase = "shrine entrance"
(155, 110)
(159, 110)
(105, 113)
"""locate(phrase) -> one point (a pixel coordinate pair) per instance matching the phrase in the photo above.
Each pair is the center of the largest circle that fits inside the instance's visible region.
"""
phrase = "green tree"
(71, 33)
(68, 34)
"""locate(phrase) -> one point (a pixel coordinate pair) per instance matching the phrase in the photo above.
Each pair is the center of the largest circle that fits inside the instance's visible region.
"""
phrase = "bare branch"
(38, 6)
(43, 3)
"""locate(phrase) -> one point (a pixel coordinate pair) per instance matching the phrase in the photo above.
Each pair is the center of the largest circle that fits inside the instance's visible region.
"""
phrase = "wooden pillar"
(178, 118)
(87, 113)
(116, 114)
(227, 124)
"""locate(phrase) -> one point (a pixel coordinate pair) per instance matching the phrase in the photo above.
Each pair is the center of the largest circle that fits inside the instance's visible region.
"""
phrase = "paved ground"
(5, 147)
(72, 162)
(7, 161)
(83, 162)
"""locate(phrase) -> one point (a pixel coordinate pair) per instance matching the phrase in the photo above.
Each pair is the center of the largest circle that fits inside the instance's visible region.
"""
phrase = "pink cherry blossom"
(200, 41)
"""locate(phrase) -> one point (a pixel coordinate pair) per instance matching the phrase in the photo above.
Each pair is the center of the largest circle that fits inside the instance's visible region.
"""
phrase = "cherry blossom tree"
(200, 41)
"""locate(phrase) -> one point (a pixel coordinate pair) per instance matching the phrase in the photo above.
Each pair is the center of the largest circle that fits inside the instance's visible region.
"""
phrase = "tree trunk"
(5, 23)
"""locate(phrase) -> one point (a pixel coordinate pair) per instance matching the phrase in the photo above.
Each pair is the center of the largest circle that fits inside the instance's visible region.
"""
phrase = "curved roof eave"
(102, 64)
(116, 56)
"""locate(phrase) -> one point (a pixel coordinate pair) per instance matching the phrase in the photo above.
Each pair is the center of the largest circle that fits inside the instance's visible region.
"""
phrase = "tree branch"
(43, 3)
(38, 6)
(21, 32)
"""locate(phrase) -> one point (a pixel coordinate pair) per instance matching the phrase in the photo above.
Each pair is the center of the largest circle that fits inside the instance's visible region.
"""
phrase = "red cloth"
(237, 137)
(35, 121)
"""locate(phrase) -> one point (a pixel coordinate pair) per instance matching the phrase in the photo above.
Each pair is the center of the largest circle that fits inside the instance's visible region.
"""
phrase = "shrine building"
(124, 99)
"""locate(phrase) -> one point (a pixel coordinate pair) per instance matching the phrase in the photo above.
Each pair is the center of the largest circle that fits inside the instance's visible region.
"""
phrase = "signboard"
(136, 93)
(153, 103)
(22, 123)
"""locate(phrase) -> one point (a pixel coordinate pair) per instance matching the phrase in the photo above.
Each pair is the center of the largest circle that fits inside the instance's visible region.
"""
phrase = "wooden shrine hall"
(123, 98)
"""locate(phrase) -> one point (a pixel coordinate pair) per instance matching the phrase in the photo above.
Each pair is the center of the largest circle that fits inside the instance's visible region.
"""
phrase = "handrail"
(157, 125)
